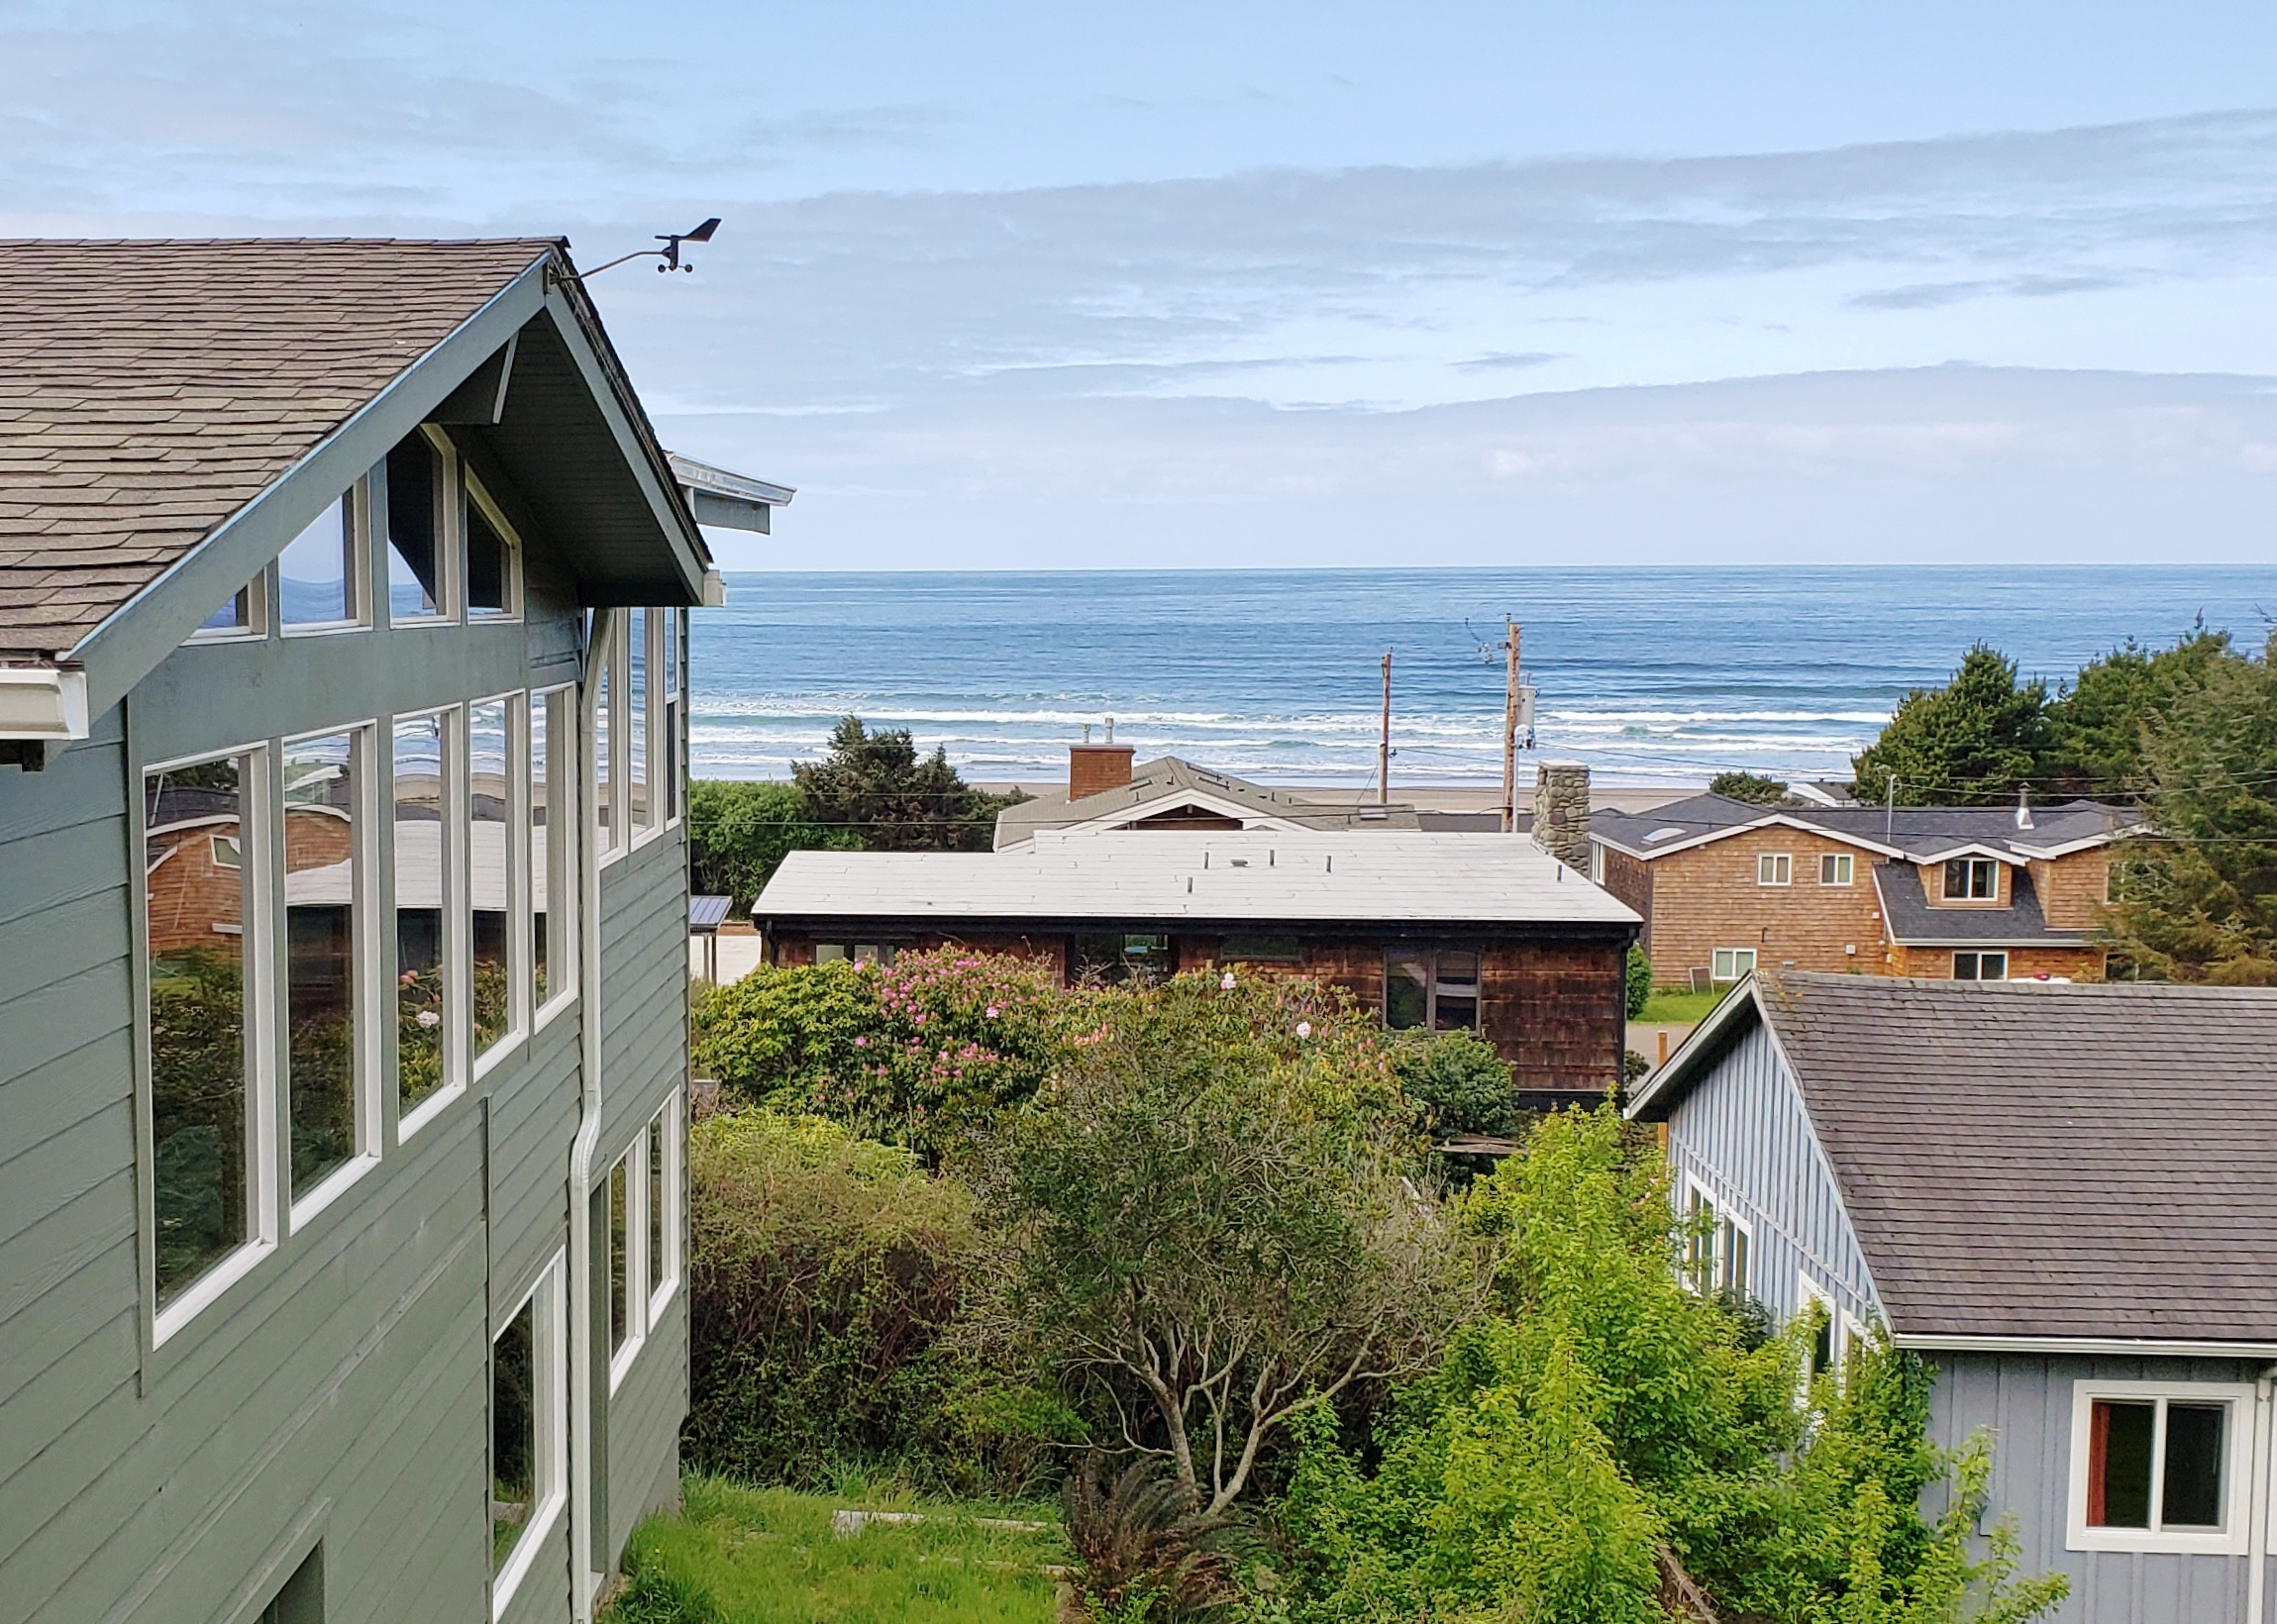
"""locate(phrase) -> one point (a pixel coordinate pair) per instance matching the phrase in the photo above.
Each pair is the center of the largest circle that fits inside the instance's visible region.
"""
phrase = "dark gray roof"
(1923, 834)
(2037, 1160)
(1911, 922)
(1172, 782)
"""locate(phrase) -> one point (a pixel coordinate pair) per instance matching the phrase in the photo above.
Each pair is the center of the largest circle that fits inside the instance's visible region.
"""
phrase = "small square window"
(1979, 966)
(1731, 963)
(2152, 1469)
(493, 560)
(1774, 868)
(1972, 879)
(1433, 989)
(1834, 868)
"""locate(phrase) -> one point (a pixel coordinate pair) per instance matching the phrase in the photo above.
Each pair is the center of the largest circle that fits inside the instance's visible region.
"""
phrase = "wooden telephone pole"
(1384, 748)
(1510, 728)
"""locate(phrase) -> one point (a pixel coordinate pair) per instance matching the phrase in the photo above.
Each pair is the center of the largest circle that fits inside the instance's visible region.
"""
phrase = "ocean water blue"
(1650, 675)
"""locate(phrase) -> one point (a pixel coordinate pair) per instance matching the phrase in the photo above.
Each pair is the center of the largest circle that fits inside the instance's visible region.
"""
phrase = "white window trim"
(1770, 863)
(668, 1125)
(358, 564)
(1693, 1196)
(652, 722)
(635, 1161)
(472, 491)
(2236, 1451)
(676, 692)
(258, 617)
(608, 764)
(517, 1033)
(563, 811)
(550, 1425)
(458, 1032)
(1842, 862)
(370, 1052)
(1727, 1221)
(1992, 901)
(1737, 973)
(1981, 955)
(262, 1106)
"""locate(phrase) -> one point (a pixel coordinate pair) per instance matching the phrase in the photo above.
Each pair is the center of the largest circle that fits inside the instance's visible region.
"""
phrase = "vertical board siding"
(2023, 1403)
(1742, 1135)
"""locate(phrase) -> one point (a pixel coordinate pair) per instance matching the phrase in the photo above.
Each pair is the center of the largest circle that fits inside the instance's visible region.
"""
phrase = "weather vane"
(669, 253)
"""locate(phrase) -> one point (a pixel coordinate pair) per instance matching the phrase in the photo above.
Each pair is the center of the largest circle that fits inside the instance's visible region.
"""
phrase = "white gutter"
(2120, 1346)
(42, 702)
(582, 1575)
(2257, 1530)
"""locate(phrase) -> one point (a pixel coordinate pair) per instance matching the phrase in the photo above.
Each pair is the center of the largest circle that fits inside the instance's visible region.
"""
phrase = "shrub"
(823, 1272)
(1750, 787)
(1460, 1082)
(739, 833)
(1147, 1554)
(920, 1053)
(1637, 987)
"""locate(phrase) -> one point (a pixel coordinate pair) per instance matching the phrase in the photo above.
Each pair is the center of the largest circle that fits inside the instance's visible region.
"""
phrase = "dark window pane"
(1964, 966)
(2191, 1496)
(414, 513)
(656, 1201)
(513, 1432)
(1459, 970)
(320, 808)
(620, 1196)
(1235, 950)
(1454, 1014)
(422, 990)
(1406, 991)
(488, 571)
(1992, 967)
(2118, 1464)
(195, 918)
(1957, 877)
(1120, 957)
(1821, 1339)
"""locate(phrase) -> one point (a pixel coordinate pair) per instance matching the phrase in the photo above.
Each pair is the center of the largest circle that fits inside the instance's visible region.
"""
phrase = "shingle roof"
(1911, 922)
(2031, 1159)
(1168, 781)
(1924, 834)
(149, 389)
(1394, 877)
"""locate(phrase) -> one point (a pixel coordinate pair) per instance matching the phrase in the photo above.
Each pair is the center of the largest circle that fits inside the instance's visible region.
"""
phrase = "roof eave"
(2120, 1346)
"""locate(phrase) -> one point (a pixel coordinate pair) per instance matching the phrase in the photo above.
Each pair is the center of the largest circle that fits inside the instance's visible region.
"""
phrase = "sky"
(1027, 286)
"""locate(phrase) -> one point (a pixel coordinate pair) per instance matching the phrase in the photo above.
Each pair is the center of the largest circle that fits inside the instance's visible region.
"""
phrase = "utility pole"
(1510, 729)
(1383, 750)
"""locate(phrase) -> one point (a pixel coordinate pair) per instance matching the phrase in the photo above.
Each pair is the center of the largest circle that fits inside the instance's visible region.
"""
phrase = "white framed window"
(206, 1035)
(1979, 966)
(671, 770)
(529, 1431)
(1833, 1332)
(429, 872)
(245, 616)
(1834, 868)
(2159, 1465)
(1973, 879)
(643, 807)
(1435, 989)
(321, 575)
(604, 659)
(422, 523)
(1774, 868)
(1720, 1244)
(332, 1058)
(551, 849)
(626, 1192)
(497, 1001)
(667, 1141)
(1731, 963)
(490, 552)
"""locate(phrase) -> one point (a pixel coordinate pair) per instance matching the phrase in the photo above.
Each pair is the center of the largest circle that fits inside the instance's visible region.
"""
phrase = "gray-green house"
(342, 900)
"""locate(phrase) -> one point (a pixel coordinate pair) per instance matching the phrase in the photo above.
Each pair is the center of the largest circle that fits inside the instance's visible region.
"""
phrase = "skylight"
(1662, 834)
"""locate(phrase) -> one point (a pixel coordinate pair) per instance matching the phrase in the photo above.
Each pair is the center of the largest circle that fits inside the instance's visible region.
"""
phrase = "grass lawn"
(1687, 1006)
(767, 1556)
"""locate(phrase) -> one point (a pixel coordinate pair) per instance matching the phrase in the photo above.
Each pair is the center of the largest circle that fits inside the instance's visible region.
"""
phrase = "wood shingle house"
(343, 987)
(2064, 1198)
(1483, 932)
(1955, 893)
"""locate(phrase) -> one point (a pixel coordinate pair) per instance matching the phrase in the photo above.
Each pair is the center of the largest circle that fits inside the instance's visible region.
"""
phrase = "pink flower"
(992, 1012)
(862, 1042)
(1225, 981)
(920, 1017)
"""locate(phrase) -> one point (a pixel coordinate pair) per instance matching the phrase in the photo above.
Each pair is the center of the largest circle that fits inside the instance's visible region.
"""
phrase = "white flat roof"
(1386, 876)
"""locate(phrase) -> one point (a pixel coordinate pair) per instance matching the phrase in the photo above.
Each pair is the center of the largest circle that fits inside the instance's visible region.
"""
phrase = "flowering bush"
(919, 1053)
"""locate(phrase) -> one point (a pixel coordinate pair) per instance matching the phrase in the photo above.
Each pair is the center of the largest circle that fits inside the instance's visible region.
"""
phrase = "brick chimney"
(1562, 812)
(1095, 768)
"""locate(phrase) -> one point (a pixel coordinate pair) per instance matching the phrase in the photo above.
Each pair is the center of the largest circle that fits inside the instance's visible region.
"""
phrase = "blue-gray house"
(344, 596)
(2064, 1198)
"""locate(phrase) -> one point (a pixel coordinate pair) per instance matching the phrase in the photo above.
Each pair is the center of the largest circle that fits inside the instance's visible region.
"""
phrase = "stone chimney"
(1093, 769)
(1562, 812)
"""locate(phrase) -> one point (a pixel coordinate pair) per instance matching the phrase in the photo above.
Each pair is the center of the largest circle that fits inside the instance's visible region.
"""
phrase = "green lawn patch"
(1669, 1005)
(769, 1556)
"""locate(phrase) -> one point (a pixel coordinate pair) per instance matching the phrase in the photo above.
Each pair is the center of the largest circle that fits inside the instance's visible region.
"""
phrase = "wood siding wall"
(1937, 964)
(1554, 1010)
(339, 1392)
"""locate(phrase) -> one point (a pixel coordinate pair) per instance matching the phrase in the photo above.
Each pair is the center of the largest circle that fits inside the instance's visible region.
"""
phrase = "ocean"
(1651, 675)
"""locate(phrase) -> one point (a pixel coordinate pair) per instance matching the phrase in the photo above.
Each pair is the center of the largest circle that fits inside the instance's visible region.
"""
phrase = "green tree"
(1207, 1222)
(739, 833)
(2199, 901)
(1973, 742)
(2101, 720)
(1750, 787)
(877, 786)
(1637, 990)
(1463, 1084)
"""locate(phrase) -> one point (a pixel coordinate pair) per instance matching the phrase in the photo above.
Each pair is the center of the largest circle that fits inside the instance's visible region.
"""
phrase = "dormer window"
(1973, 879)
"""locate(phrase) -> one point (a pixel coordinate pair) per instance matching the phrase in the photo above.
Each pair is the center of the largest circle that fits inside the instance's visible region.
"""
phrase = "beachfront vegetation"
(1185, 1255)
(2188, 732)
(1753, 787)
(872, 793)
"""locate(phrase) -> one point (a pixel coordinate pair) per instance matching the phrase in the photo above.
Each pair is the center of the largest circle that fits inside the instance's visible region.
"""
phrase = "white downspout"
(2257, 1530)
(582, 1541)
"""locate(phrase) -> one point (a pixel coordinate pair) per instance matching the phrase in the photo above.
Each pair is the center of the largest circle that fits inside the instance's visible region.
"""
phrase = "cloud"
(1528, 357)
